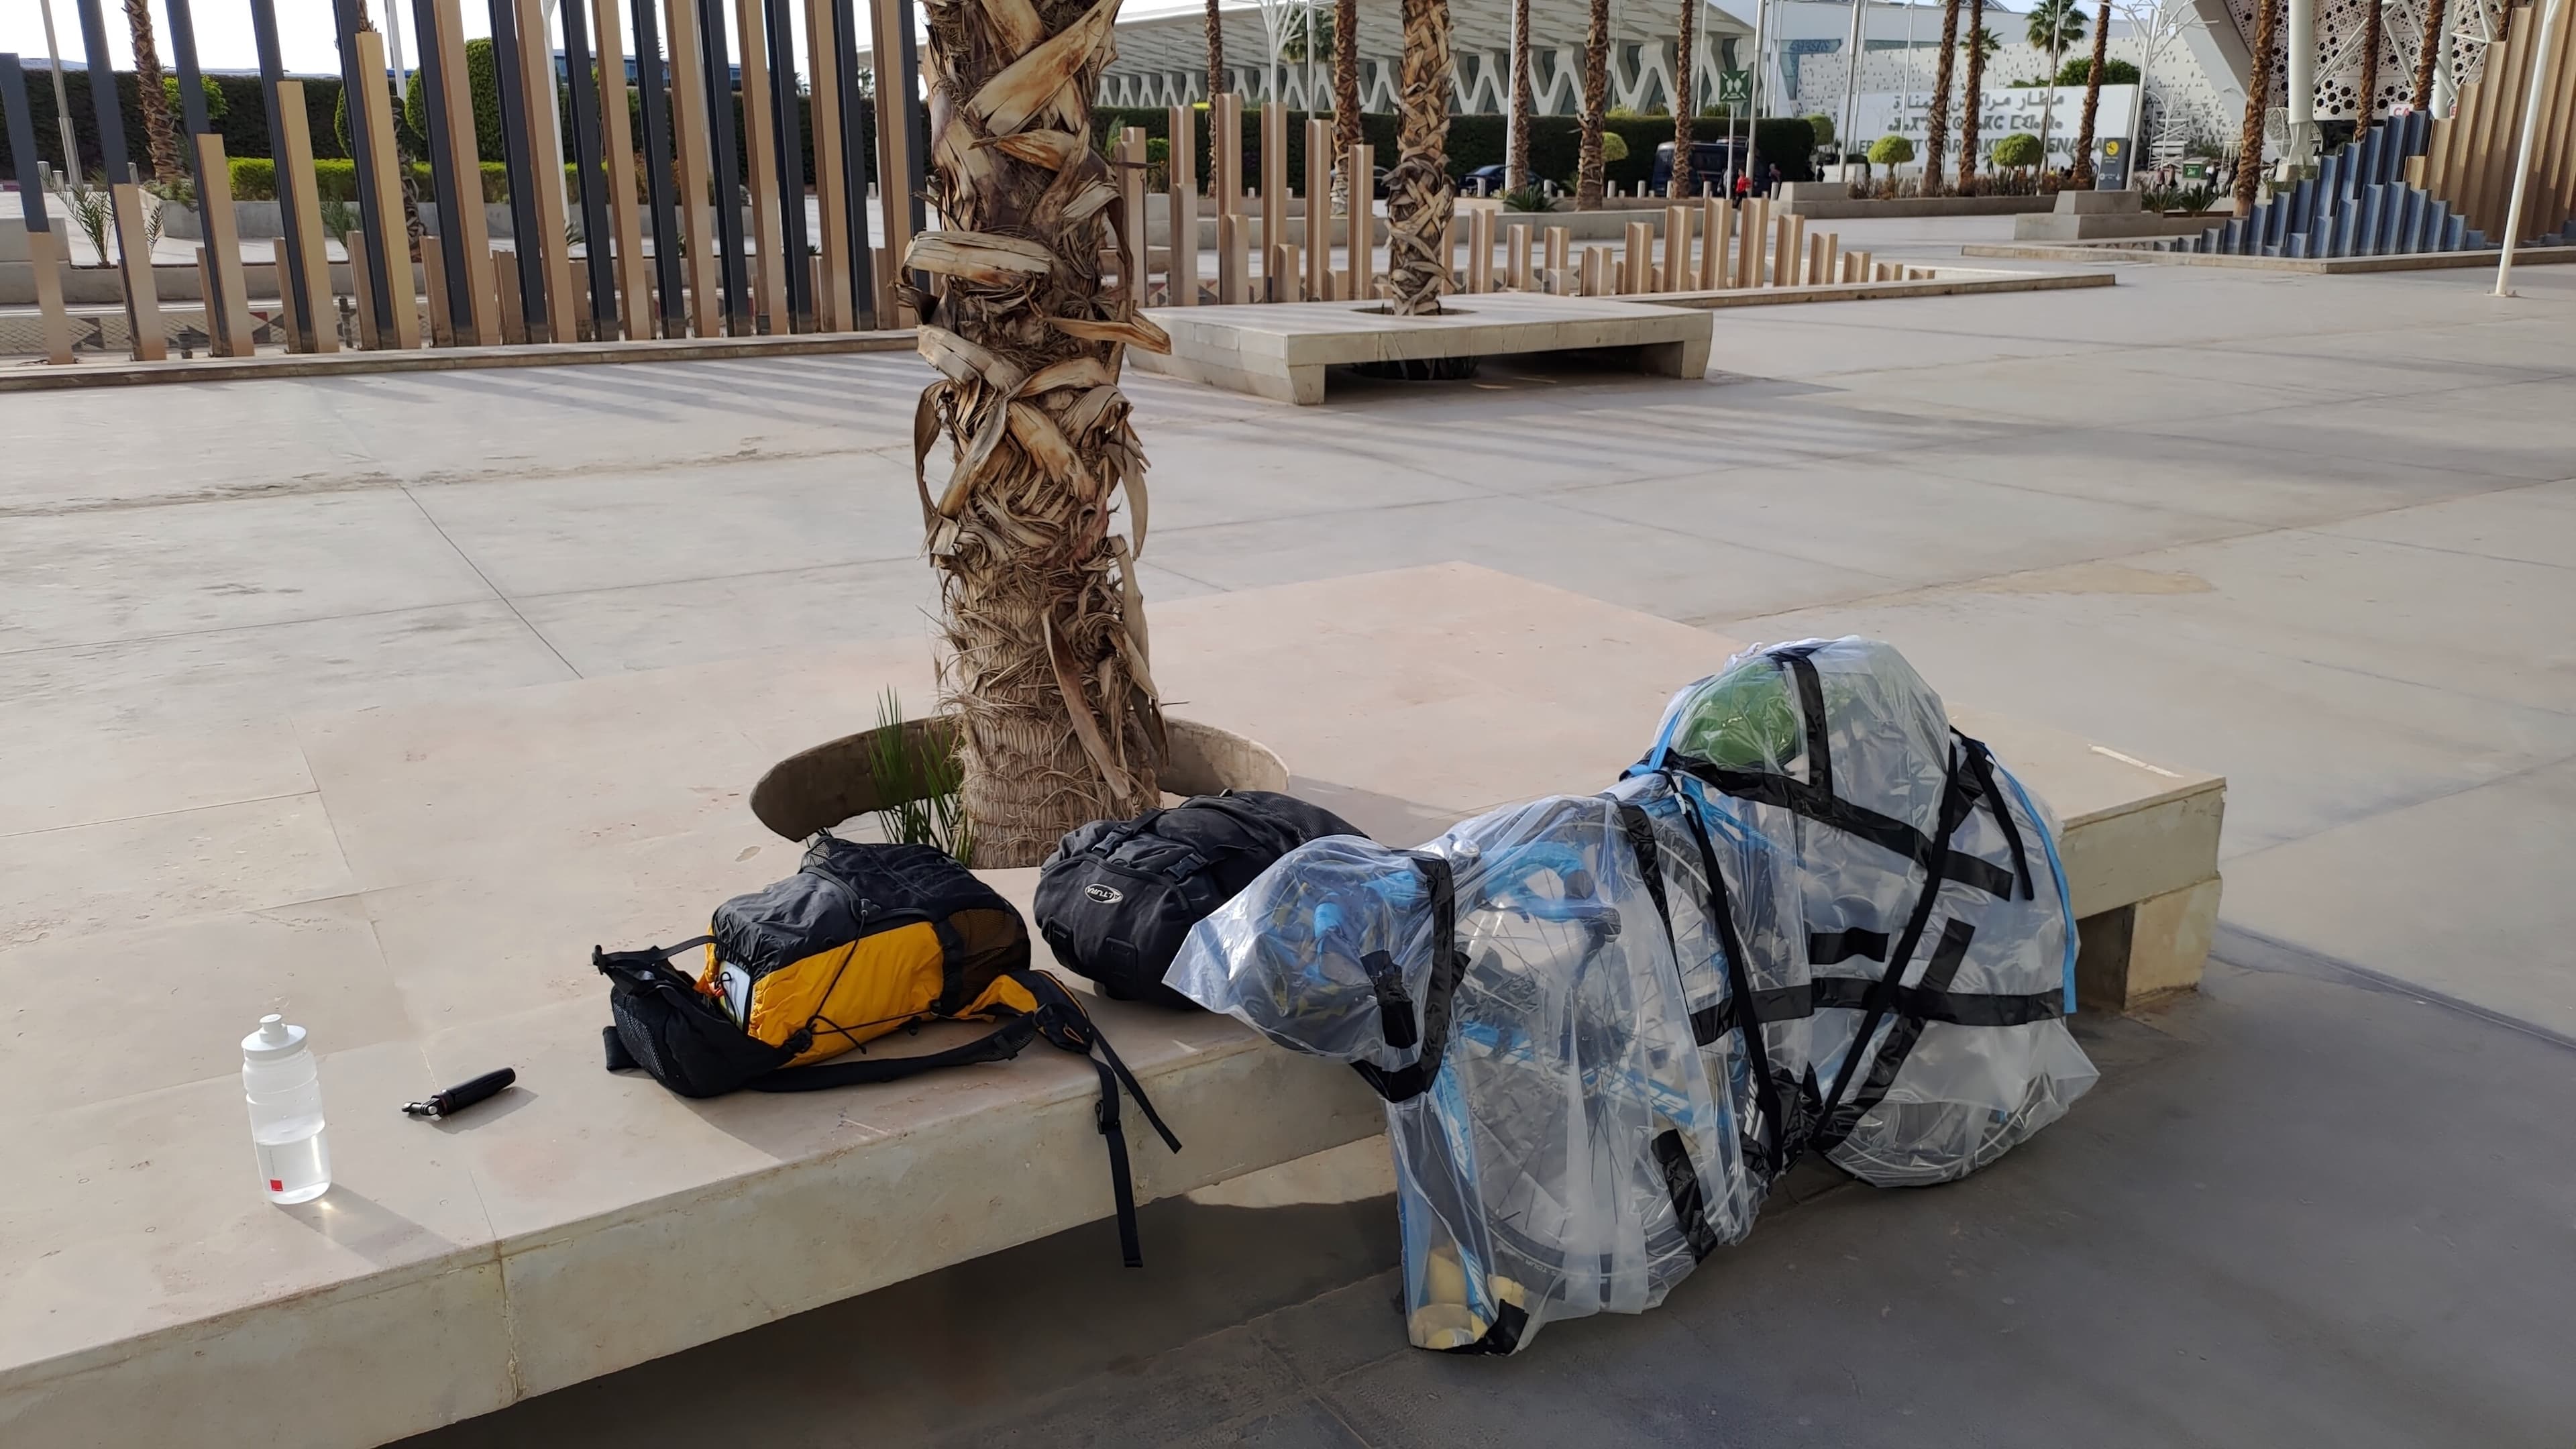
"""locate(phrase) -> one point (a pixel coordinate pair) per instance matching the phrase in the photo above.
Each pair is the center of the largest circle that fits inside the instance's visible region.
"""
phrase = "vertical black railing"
(653, 80)
(390, 267)
(451, 184)
(722, 107)
(856, 166)
(295, 288)
(587, 161)
(787, 124)
(526, 221)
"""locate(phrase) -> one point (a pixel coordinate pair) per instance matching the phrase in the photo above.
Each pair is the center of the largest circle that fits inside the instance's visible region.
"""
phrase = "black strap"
(648, 962)
(1448, 964)
(1811, 707)
(1510, 1321)
(1394, 1006)
(1641, 841)
(1938, 973)
(1955, 803)
(1851, 993)
(1827, 948)
(1742, 1004)
(999, 1045)
(1981, 762)
(1765, 788)
(1062, 1021)
(1690, 1205)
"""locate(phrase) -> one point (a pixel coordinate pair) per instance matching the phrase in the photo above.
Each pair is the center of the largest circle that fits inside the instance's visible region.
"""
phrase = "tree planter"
(819, 788)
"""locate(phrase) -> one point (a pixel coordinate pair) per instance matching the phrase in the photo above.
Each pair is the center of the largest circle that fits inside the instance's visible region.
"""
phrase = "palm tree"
(1516, 172)
(1596, 106)
(2258, 94)
(1981, 43)
(1056, 711)
(1216, 54)
(1685, 101)
(1419, 193)
(2366, 94)
(2083, 174)
(163, 136)
(1936, 127)
(1346, 115)
(2428, 57)
(2055, 26)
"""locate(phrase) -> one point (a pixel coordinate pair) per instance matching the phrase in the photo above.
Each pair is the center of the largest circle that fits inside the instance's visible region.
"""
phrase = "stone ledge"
(584, 1222)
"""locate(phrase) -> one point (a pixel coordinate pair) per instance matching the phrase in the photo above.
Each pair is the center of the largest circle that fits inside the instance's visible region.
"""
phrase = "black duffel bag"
(1117, 897)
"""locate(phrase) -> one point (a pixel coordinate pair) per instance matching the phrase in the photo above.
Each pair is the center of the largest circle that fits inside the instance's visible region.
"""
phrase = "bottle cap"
(273, 1040)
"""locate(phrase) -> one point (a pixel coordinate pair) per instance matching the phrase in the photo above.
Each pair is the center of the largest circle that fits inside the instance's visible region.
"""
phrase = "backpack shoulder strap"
(999, 1045)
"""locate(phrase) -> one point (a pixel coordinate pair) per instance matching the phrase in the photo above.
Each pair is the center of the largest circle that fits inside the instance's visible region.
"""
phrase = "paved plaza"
(2315, 534)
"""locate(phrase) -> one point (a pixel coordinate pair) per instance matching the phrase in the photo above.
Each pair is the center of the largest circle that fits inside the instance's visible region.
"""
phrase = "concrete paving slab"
(1882, 519)
(2525, 525)
(225, 677)
(2486, 864)
(604, 529)
(132, 573)
(2251, 483)
(1572, 549)
(171, 866)
(693, 621)
(89, 777)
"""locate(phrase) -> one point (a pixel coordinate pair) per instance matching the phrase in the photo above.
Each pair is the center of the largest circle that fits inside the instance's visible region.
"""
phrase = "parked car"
(1713, 166)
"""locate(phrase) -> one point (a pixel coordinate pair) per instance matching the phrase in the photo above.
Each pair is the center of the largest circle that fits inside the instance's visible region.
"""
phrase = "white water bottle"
(284, 1090)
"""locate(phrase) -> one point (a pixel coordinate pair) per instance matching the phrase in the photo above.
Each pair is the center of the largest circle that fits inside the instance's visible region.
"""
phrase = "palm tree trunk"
(1346, 112)
(1516, 170)
(2083, 173)
(1685, 101)
(1046, 667)
(1972, 97)
(2258, 95)
(2428, 57)
(1936, 127)
(163, 137)
(1216, 56)
(1419, 193)
(1596, 105)
(2365, 104)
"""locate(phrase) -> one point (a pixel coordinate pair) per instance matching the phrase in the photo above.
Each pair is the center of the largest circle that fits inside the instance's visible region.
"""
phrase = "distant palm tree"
(2083, 173)
(1936, 129)
(1420, 197)
(1346, 112)
(2366, 95)
(1516, 172)
(2258, 94)
(2428, 57)
(2056, 26)
(1216, 53)
(1596, 105)
(1685, 102)
(163, 136)
(1980, 43)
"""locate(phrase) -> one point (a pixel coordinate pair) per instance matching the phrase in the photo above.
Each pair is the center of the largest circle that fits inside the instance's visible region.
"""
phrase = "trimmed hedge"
(254, 178)
(1477, 140)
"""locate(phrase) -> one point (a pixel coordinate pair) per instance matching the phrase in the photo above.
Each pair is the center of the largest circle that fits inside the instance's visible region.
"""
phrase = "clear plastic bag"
(1840, 751)
(1604, 1025)
(1558, 1143)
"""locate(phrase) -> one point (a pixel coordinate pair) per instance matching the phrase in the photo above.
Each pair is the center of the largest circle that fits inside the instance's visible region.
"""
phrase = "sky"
(304, 29)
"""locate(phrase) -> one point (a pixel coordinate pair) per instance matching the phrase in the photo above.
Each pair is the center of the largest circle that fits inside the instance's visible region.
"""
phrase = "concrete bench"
(1282, 351)
(427, 907)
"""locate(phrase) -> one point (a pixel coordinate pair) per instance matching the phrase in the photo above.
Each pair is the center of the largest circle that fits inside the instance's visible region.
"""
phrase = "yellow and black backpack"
(864, 940)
